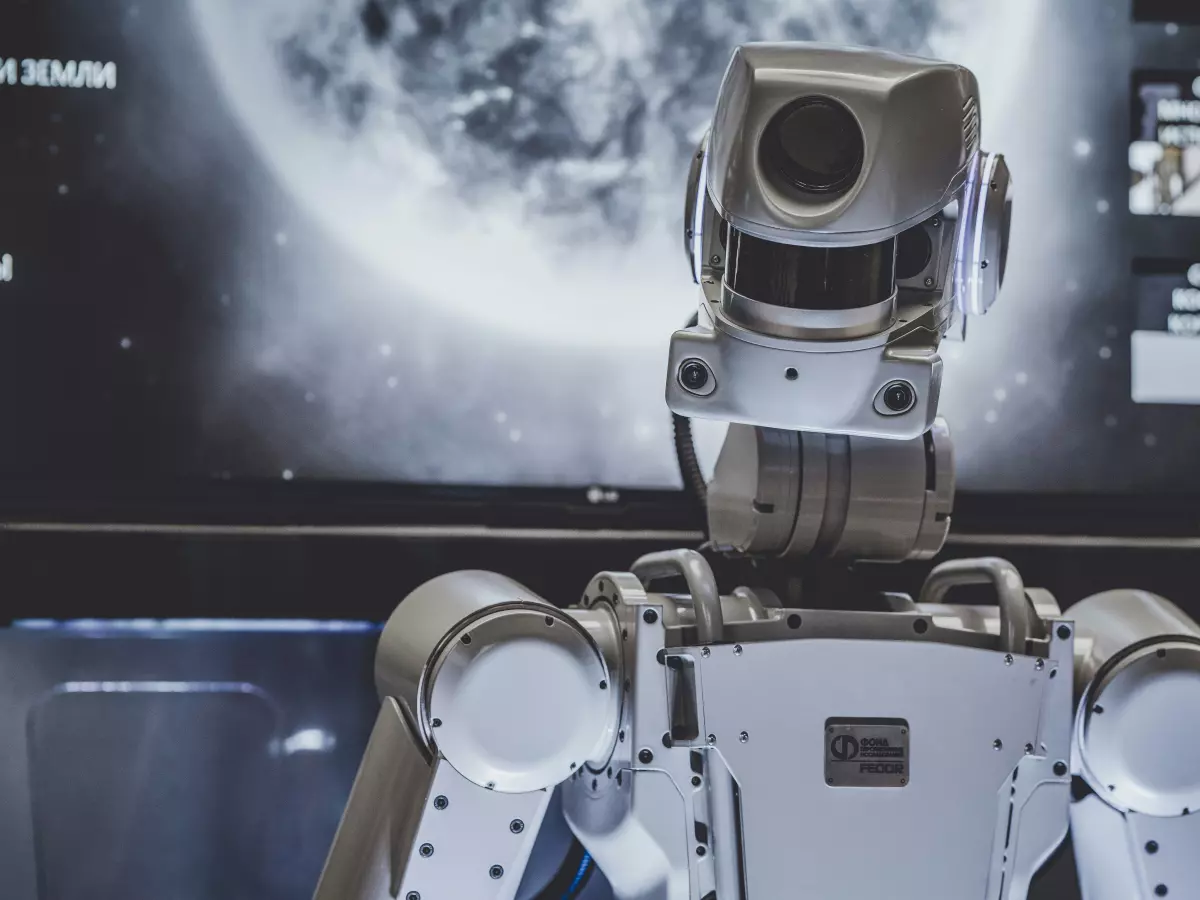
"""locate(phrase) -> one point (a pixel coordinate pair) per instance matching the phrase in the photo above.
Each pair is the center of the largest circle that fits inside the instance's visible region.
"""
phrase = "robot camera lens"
(815, 145)
(694, 375)
(898, 397)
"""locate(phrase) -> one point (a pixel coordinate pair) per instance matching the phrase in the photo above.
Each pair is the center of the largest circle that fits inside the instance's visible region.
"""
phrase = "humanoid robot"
(765, 741)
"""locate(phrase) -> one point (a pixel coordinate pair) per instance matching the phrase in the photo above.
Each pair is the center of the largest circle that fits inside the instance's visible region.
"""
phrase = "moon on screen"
(521, 164)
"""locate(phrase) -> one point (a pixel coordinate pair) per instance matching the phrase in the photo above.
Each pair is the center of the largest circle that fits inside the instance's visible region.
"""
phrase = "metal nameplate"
(866, 752)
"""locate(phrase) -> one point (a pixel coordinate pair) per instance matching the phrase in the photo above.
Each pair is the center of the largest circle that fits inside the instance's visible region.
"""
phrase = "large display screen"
(434, 242)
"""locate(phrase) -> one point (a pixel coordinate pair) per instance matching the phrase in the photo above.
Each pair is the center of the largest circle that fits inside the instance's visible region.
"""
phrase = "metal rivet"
(440, 801)
(712, 738)
(1063, 632)
(997, 744)
(427, 850)
(1060, 768)
(645, 756)
(1039, 664)
(705, 652)
(737, 649)
(649, 617)
(744, 736)
(1028, 749)
(1008, 659)
(516, 826)
(496, 871)
(1151, 846)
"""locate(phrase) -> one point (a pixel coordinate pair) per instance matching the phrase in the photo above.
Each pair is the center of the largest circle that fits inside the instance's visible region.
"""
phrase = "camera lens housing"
(814, 144)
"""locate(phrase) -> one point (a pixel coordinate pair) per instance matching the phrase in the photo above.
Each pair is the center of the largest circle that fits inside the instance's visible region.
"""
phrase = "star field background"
(437, 242)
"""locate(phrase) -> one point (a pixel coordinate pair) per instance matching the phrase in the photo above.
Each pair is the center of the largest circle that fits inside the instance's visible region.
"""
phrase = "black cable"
(685, 449)
(566, 875)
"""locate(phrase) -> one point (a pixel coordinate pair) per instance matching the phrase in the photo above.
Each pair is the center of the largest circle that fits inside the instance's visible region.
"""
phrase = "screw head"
(649, 617)
(712, 738)
(1060, 768)
(1160, 890)
(1028, 749)
(737, 649)
(1151, 846)
(440, 801)
(997, 744)
(436, 723)
(427, 850)
(412, 895)
(695, 781)
(936, 222)
(929, 282)
(1008, 659)
(1039, 664)
(516, 826)
(715, 260)
(645, 756)
(705, 652)
(903, 782)
(700, 851)
(1063, 632)
(744, 736)
(667, 740)
(496, 871)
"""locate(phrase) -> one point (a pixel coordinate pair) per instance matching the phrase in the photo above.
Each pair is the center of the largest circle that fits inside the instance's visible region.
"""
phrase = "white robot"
(700, 745)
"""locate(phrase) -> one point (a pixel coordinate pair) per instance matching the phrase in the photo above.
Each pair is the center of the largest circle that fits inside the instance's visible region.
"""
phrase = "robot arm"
(1137, 730)
(491, 697)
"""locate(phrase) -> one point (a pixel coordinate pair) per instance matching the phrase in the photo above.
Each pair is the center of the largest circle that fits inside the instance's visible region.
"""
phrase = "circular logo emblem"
(844, 747)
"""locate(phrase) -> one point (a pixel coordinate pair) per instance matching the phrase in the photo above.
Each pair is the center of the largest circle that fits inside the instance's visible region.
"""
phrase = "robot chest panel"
(888, 748)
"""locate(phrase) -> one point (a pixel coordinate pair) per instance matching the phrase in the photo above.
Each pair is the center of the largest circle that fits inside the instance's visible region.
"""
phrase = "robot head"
(840, 220)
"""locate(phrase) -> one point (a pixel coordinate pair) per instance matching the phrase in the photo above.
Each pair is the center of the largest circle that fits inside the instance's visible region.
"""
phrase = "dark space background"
(185, 328)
